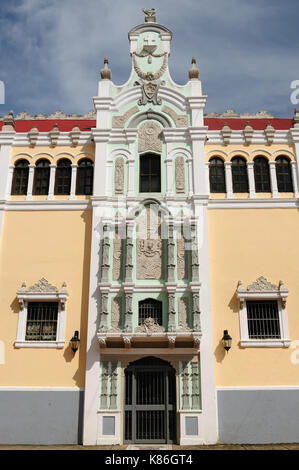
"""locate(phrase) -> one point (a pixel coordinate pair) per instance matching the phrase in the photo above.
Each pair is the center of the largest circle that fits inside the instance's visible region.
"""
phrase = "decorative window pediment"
(42, 290)
(262, 288)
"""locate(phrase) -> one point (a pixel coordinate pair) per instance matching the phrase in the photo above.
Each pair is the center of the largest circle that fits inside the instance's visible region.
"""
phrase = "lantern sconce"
(74, 342)
(226, 341)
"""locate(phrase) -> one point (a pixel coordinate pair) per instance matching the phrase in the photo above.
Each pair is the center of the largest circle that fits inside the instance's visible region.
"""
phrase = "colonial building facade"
(146, 229)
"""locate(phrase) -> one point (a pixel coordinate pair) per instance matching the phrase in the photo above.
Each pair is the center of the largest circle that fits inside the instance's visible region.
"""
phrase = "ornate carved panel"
(183, 313)
(120, 121)
(180, 175)
(149, 247)
(116, 308)
(119, 176)
(117, 257)
(180, 121)
(182, 265)
(149, 137)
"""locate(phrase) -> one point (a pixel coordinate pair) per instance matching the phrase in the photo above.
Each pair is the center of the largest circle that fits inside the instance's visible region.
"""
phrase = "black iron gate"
(150, 402)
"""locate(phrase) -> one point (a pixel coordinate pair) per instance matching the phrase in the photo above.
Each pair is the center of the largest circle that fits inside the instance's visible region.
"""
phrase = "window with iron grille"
(41, 321)
(41, 177)
(20, 178)
(217, 176)
(263, 319)
(150, 173)
(63, 177)
(239, 175)
(85, 177)
(284, 175)
(262, 175)
(150, 308)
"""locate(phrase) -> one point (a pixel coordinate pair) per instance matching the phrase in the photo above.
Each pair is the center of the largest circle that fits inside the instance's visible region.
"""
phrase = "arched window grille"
(63, 177)
(217, 175)
(150, 308)
(41, 177)
(262, 175)
(150, 173)
(284, 175)
(20, 178)
(85, 177)
(239, 175)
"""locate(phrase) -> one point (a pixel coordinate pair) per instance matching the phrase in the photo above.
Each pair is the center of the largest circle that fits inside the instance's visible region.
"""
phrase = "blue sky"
(52, 50)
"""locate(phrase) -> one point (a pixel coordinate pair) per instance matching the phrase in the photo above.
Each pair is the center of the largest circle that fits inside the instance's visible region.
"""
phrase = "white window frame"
(42, 291)
(263, 290)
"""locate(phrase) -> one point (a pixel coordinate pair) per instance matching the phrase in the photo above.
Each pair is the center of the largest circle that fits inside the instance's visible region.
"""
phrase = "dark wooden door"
(150, 404)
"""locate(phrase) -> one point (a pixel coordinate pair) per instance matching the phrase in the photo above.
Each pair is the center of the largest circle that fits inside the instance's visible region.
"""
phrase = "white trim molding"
(261, 289)
(44, 292)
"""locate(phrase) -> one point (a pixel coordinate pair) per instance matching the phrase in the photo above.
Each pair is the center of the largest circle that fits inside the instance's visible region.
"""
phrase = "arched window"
(63, 177)
(239, 175)
(262, 175)
(85, 177)
(20, 178)
(41, 177)
(150, 308)
(150, 173)
(284, 175)
(217, 176)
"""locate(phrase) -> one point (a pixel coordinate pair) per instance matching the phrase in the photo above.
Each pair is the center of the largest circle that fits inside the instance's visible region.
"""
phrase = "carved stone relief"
(149, 137)
(119, 122)
(117, 257)
(119, 176)
(180, 121)
(182, 257)
(149, 247)
(116, 308)
(180, 175)
(149, 326)
(183, 313)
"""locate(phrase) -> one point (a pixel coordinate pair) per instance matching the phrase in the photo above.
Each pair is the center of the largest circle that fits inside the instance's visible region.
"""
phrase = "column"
(73, 182)
(171, 308)
(273, 179)
(129, 252)
(295, 138)
(103, 327)
(190, 177)
(9, 182)
(194, 253)
(195, 385)
(228, 180)
(170, 248)
(128, 309)
(30, 182)
(294, 178)
(52, 182)
(105, 255)
(251, 181)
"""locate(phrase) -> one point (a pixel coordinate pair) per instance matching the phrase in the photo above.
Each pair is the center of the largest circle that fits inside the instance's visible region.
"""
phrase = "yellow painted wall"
(54, 245)
(244, 245)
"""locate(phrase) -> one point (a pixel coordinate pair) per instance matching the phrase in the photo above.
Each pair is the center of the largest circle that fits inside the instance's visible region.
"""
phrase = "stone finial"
(296, 118)
(106, 73)
(248, 133)
(194, 71)
(269, 132)
(9, 120)
(150, 15)
(226, 133)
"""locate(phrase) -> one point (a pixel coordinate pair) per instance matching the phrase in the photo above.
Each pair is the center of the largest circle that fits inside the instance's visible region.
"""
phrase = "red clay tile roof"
(66, 125)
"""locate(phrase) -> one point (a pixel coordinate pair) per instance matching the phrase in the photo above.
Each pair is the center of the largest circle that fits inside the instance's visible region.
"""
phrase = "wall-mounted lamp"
(226, 341)
(74, 342)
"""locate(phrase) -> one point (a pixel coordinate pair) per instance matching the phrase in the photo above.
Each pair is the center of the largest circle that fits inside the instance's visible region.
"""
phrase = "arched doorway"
(150, 402)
